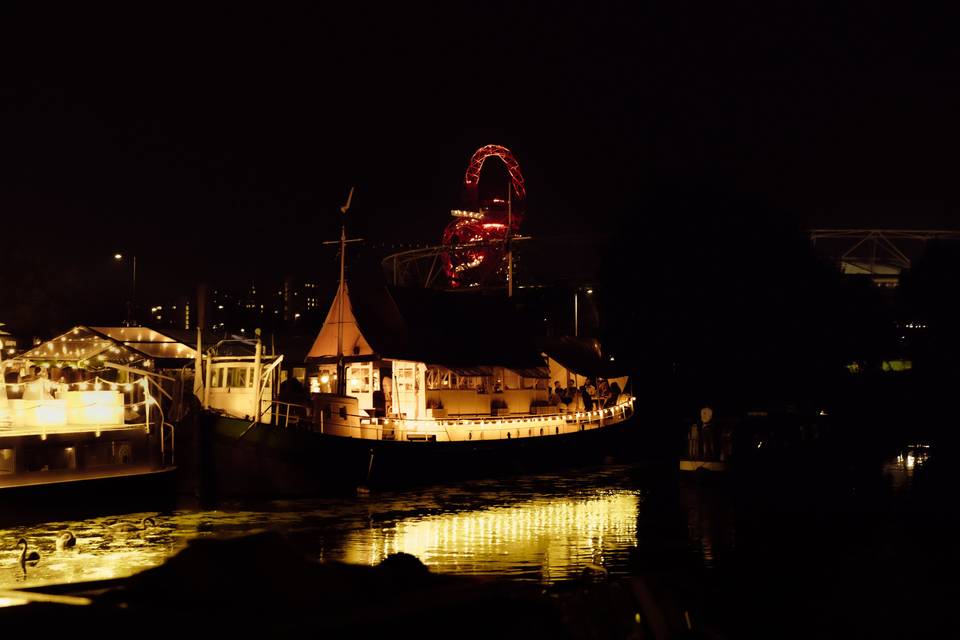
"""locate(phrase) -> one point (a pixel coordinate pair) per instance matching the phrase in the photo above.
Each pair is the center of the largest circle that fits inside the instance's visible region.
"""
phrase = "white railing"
(450, 429)
(463, 428)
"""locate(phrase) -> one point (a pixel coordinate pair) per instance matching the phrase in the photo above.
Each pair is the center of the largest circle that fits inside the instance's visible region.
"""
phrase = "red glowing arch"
(486, 226)
(472, 178)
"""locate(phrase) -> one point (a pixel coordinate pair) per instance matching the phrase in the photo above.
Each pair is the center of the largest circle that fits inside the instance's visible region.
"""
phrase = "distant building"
(179, 314)
(7, 342)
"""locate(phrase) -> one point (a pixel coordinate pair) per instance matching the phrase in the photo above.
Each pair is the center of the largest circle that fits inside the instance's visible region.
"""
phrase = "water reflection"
(547, 539)
(539, 528)
(100, 552)
(710, 522)
(901, 469)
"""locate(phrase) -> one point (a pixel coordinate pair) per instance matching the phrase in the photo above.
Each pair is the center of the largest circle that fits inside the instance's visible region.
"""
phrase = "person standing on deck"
(726, 441)
(570, 397)
(693, 441)
(708, 434)
(587, 400)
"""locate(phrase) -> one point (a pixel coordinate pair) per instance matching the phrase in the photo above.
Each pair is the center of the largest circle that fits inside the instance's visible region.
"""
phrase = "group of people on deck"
(40, 383)
(594, 394)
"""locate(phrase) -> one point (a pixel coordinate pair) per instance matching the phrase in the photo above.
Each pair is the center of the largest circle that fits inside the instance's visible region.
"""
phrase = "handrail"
(487, 423)
(497, 424)
(173, 455)
(625, 409)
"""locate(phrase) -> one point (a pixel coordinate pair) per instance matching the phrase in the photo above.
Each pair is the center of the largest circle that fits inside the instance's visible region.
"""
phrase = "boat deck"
(706, 465)
(57, 476)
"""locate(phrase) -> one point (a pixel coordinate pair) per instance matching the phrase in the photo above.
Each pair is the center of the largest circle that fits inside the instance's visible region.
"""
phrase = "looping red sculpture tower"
(477, 235)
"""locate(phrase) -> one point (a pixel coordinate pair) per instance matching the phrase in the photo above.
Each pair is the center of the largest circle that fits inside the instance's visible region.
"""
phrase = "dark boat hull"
(81, 496)
(269, 461)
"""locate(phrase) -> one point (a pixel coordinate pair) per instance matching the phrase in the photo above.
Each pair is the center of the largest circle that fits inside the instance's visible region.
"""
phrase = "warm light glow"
(118, 256)
(324, 379)
(560, 535)
(472, 215)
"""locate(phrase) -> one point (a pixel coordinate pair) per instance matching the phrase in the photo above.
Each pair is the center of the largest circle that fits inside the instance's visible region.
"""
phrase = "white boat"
(414, 384)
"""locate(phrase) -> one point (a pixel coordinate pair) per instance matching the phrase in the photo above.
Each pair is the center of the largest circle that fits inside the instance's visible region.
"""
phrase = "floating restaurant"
(90, 408)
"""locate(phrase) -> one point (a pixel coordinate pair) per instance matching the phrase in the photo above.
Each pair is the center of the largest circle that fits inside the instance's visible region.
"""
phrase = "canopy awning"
(470, 371)
(537, 372)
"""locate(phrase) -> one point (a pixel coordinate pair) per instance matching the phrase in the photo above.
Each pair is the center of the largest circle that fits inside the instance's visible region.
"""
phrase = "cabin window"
(406, 378)
(216, 378)
(7, 461)
(511, 380)
(325, 381)
(240, 377)
(121, 452)
(470, 382)
(300, 373)
(358, 379)
(439, 379)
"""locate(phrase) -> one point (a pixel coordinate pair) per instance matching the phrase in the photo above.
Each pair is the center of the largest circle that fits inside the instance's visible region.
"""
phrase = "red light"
(479, 265)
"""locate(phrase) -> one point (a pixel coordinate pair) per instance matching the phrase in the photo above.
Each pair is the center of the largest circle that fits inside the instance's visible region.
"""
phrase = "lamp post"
(576, 308)
(131, 320)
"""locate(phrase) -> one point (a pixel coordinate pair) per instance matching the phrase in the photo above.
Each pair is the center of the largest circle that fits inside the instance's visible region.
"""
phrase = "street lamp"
(131, 320)
(576, 308)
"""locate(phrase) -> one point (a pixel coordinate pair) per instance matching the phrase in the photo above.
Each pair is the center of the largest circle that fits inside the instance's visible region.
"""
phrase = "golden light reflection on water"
(100, 553)
(104, 552)
(900, 470)
(547, 538)
(538, 529)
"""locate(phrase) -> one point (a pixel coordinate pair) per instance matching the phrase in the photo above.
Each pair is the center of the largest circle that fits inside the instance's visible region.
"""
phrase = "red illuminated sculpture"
(479, 232)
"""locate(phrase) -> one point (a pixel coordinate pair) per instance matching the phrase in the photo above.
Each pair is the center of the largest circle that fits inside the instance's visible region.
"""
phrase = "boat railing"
(163, 447)
(453, 427)
(286, 414)
(487, 427)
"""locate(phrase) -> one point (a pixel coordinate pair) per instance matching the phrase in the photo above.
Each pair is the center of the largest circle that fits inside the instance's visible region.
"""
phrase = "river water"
(824, 553)
(540, 528)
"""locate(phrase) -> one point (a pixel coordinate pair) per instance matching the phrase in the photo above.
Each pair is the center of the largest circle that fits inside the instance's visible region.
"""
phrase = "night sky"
(186, 137)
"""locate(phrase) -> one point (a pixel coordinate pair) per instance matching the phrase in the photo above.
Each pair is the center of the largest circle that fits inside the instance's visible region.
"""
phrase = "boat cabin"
(240, 379)
(420, 356)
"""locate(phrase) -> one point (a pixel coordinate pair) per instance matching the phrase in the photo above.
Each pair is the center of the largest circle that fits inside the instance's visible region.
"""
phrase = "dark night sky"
(171, 133)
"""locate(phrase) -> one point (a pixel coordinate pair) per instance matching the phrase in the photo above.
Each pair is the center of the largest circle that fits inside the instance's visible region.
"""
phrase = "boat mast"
(509, 237)
(341, 295)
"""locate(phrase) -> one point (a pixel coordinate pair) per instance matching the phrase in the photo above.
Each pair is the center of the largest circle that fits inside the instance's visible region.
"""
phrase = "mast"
(341, 296)
(509, 237)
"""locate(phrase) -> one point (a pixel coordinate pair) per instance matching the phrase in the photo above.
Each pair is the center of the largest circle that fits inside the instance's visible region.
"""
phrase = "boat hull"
(81, 496)
(269, 461)
(702, 465)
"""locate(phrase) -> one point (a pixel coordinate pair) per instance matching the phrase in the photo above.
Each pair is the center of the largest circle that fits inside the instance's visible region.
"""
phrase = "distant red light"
(478, 265)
